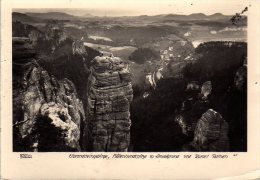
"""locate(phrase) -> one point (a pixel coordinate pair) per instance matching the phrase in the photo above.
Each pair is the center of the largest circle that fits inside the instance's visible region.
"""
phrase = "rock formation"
(109, 96)
(78, 47)
(206, 89)
(240, 80)
(47, 114)
(192, 108)
(25, 30)
(193, 85)
(237, 114)
(211, 133)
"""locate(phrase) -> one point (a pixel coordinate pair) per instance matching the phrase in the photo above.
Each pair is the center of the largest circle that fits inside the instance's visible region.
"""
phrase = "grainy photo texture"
(166, 82)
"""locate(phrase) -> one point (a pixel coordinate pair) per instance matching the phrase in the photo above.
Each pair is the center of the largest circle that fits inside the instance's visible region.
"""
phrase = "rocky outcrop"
(25, 30)
(211, 133)
(109, 96)
(193, 85)
(195, 104)
(189, 114)
(78, 47)
(47, 115)
(55, 31)
(63, 132)
(206, 89)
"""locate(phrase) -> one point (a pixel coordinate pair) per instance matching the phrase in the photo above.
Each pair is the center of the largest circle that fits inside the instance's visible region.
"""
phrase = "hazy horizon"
(134, 8)
(110, 14)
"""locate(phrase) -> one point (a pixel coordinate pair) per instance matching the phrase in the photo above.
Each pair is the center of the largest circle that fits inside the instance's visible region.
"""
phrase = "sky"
(133, 7)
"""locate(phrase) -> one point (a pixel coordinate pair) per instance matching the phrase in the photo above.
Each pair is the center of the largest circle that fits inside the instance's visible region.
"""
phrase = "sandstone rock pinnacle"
(109, 96)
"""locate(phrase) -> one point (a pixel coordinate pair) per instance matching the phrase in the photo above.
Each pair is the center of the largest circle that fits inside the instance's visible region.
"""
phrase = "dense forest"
(142, 55)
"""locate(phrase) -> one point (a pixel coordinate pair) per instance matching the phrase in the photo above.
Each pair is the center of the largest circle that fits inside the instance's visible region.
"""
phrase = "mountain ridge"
(66, 16)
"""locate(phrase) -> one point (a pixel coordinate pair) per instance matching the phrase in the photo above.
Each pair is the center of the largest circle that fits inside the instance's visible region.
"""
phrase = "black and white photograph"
(130, 79)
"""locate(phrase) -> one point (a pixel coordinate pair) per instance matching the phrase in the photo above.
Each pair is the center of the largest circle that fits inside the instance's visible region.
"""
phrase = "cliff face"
(47, 114)
(211, 133)
(238, 103)
(109, 96)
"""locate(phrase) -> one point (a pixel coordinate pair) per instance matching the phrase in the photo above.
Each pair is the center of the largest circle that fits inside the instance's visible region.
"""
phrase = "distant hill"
(23, 17)
(36, 17)
(196, 16)
(87, 15)
(53, 15)
(174, 17)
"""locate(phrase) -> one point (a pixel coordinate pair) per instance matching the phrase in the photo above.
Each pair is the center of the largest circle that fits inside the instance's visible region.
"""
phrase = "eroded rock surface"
(47, 114)
(206, 89)
(56, 120)
(191, 109)
(211, 133)
(109, 96)
(78, 47)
